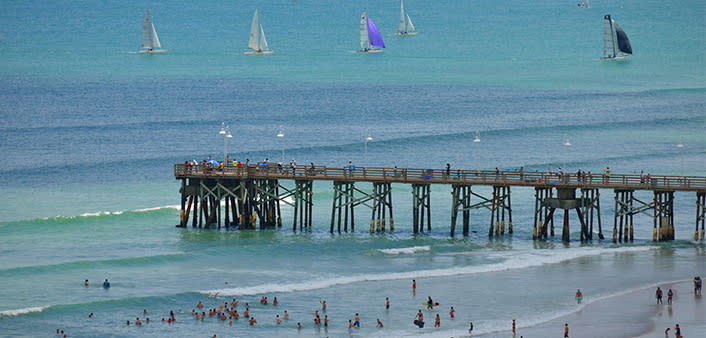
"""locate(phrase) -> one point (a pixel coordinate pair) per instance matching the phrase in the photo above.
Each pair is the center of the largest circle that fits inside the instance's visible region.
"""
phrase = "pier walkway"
(253, 192)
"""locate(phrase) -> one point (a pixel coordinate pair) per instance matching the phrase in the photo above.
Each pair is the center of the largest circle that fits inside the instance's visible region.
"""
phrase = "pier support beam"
(343, 203)
(303, 195)
(543, 213)
(460, 201)
(499, 206)
(590, 206)
(421, 204)
(382, 202)
(663, 216)
(700, 214)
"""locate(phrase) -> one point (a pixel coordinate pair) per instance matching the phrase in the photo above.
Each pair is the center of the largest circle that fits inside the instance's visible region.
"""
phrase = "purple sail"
(374, 35)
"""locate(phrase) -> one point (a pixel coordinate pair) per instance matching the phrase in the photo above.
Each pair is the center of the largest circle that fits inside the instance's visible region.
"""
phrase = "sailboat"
(616, 45)
(370, 38)
(150, 40)
(585, 4)
(406, 27)
(257, 42)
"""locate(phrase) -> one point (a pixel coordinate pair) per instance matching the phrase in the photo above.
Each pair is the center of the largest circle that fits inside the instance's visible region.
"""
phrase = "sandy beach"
(630, 314)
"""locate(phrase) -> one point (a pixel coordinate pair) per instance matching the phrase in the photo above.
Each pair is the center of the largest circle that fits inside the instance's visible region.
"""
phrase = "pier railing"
(444, 176)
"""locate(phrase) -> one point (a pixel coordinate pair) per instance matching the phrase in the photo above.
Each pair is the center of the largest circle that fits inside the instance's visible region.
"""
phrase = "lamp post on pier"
(477, 141)
(225, 131)
(281, 136)
(365, 156)
(681, 148)
(567, 144)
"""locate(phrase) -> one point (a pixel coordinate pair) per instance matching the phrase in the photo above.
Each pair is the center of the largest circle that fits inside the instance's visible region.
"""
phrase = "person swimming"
(106, 284)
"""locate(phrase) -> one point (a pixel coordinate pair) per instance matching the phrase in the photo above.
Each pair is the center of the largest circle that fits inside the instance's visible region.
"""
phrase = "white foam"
(10, 313)
(514, 260)
(409, 250)
(115, 213)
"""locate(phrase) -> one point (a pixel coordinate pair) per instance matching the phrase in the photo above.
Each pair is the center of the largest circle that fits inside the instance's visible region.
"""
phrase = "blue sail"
(374, 35)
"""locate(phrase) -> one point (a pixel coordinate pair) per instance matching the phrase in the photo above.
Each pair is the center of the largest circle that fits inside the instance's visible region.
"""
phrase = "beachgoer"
(128, 323)
(379, 324)
(275, 302)
(357, 321)
(697, 285)
(236, 315)
(414, 285)
(437, 321)
(387, 303)
(286, 315)
(514, 328)
(419, 319)
(138, 322)
(252, 321)
(199, 305)
(669, 296)
(448, 170)
(246, 313)
(90, 315)
(470, 329)
(85, 283)
(350, 326)
(566, 330)
(430, 303)
(106, 284)
(323, 305)
(666, 332)
(658, 294)
(299, 325)
(325, 320)
(579, 296)
(677, 331)
(451, 312)
(277, 320)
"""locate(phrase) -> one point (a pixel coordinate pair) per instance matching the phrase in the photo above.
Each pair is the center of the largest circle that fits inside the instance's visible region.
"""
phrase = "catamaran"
(257, 42)
(370, 38)
(616, 45)
(150, 40)
(406, 27)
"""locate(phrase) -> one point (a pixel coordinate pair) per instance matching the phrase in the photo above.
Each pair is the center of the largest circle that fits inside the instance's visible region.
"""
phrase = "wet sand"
(632, 314)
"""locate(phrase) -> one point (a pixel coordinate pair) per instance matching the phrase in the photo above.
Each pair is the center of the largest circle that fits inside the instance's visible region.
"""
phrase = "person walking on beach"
(579, 296)
(414, 285)
(437, 321)
(452, 312)
(379, 326)
(658, 294)
(566, 330)
(677, 331)
(387, 303)
(470, 329)
(350, 326)
(669, 296)
(357, 321)
(514, 328)
(430, 303)
(697, 285)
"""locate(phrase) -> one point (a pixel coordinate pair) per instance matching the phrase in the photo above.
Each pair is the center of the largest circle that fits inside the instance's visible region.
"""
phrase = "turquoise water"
(89, 131)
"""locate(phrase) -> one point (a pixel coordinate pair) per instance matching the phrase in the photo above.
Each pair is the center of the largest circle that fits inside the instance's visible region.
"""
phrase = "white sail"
(608, 37)
(403, 25)
(155, 38)
(254, 41)
(263, 41)
(410, 26)
(364, 40)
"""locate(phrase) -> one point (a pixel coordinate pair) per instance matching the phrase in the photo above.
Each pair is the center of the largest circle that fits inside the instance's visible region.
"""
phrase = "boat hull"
(252, 52)
(370, 51)
(154, 51)
(406, 34)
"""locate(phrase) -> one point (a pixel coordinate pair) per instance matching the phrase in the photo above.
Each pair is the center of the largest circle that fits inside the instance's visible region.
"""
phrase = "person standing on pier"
(293, 166)
(448, 170)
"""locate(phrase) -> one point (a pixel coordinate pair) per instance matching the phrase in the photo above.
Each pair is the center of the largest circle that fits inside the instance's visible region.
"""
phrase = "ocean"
(90, 131)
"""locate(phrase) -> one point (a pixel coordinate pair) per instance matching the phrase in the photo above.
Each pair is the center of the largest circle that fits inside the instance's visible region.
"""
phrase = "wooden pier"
(250, 195)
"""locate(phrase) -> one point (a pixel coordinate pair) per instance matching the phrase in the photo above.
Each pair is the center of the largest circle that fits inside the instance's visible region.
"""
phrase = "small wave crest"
(17, 312)
(515, 260)
(410, 250)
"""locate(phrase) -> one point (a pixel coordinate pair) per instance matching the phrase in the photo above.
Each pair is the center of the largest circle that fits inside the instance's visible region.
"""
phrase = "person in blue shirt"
(106, 284)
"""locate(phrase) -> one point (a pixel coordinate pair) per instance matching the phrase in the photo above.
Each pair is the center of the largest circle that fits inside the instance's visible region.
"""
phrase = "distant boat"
(370, 38)
(150, 40)
(616, 45)
(585, 4)
(406, 27)
(257, 42)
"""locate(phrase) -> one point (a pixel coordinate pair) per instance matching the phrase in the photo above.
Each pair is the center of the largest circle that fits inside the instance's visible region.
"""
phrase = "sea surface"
(90, 130)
